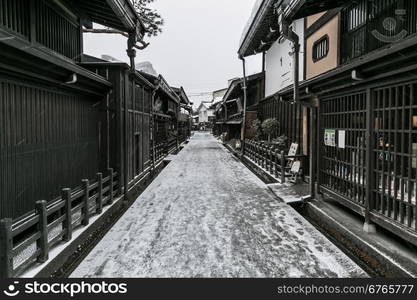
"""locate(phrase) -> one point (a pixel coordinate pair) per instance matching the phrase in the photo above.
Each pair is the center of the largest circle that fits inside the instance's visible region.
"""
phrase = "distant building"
(205, 115)
(229, 111)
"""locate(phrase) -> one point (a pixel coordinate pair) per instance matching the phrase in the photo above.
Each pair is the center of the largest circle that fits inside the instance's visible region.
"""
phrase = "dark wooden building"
(362, 107)
(229, 112)
(184, 117)
(128, 119)
(166, 110)
(51, 109)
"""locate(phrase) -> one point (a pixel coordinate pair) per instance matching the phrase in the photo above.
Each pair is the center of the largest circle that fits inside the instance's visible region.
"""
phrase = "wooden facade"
(131, 91)
(367, 117)
(45, 134)
(184, 116)
(76, 131)
(361, 108)
(229, 112)
(289, 115)
(51, 123)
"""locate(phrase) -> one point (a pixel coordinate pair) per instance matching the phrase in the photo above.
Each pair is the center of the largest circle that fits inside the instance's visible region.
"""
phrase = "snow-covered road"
(207, 215)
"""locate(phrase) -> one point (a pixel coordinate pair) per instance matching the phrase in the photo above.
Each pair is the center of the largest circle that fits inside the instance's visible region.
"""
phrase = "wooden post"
(99, 200)
(42, 242)
(111, 183)
(282, 167)
(318, 151)
(368, 226)
(67, 224)
(267, 158)
(258, 155)
(313, 143)
(6, 247)
(261, 155)
(86, 207)
(276, 162)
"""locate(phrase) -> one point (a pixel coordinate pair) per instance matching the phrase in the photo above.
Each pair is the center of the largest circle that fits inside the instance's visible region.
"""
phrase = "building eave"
(264, 30)
(117, 14)
(264, 17)
(238, 82)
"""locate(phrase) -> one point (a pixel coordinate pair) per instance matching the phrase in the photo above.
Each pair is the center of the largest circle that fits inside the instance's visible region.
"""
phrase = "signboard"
(342, 139)
(330, 137)
(296, 166)
(293, 149)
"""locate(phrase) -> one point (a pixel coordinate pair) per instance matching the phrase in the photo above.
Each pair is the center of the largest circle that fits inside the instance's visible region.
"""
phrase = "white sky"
(198, 47)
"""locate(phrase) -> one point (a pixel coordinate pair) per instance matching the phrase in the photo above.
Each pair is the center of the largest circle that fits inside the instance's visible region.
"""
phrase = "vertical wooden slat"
(42, 242)
(6, 245)
(403, 169)
(111, 185)
(410, 156)
(282, 157)
(86, 207)
(369, 153)
(99, 206)
(67, 224)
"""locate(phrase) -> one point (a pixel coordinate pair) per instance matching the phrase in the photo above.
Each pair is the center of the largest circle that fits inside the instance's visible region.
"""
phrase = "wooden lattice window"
(321, 48)
(395, 153)
(343, 151)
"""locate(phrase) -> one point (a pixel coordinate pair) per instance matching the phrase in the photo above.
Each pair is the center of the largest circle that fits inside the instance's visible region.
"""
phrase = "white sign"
(342, 139)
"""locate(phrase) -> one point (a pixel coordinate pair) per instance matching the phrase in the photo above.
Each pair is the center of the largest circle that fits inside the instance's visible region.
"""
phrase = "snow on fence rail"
(28, 240)
(271, 159)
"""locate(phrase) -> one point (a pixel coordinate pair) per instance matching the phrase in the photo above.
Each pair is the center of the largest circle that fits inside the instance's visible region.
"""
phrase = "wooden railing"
(271, 159)
(160, 152)
(171, 146)
(28, 241)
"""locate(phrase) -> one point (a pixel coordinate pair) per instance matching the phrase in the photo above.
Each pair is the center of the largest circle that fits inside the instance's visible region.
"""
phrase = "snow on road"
(207, 215)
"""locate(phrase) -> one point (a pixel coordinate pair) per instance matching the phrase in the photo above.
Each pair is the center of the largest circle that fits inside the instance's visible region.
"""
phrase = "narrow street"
(207, 215)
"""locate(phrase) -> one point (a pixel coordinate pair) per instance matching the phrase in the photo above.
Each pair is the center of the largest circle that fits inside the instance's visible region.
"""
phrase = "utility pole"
(131, 52)
(245, 100)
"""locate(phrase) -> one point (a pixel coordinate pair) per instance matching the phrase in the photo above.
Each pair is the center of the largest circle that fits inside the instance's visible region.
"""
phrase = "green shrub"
(270, 127)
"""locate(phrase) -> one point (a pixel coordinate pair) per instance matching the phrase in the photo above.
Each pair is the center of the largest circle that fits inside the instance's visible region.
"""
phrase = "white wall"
(279, 63)
(210, 113)
(203, 115)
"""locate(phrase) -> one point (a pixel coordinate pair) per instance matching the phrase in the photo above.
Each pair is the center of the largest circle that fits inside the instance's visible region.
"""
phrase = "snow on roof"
(109, 58)
(147, 68)
(252, 17)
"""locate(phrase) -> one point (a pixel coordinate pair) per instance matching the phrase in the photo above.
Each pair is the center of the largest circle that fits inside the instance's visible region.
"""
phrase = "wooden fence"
(28, 240)
(160, 152)
(271, 159)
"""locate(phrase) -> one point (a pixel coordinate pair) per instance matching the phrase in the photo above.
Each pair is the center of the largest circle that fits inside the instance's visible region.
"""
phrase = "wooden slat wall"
(344, 170)
(289, 116)
(395, 154)
(57, 32)
(49, 140)
(138, 131)
(52, 28)
(15, 15)
(392, 160)
(364, 18)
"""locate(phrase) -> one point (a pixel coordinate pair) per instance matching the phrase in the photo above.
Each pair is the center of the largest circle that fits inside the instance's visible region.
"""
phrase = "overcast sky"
(198, 47)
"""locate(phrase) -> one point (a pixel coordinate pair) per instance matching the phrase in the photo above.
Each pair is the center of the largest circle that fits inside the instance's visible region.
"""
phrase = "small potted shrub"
(270, 127)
